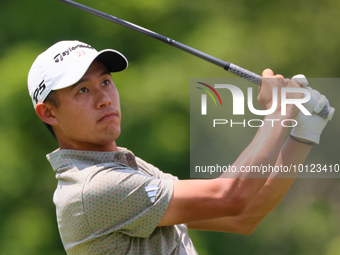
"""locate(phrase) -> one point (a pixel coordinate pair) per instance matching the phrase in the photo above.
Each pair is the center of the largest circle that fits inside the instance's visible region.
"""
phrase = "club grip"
(244, 73)
(326, 112)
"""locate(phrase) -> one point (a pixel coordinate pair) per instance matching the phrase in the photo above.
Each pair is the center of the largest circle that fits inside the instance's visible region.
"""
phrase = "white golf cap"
(65, 63)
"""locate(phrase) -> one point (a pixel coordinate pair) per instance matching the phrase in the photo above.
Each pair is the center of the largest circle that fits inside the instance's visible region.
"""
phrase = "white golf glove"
(310, 127)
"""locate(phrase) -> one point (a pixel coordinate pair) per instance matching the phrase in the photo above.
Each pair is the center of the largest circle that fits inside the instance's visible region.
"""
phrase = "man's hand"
(310, 127)
(271, 81)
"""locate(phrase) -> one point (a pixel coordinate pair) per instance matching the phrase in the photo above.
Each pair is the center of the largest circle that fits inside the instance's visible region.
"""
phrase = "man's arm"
(293, 153)
(195, 200)
(229, 195)
(266, 200)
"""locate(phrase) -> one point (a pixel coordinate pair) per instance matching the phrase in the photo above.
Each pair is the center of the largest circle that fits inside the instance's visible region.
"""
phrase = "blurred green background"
(288, 36)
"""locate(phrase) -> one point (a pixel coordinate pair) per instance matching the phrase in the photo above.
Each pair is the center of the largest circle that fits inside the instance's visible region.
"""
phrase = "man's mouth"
(108, 116)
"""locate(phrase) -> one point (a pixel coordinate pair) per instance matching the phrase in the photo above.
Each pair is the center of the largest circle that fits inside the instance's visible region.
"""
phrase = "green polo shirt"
(112, 202)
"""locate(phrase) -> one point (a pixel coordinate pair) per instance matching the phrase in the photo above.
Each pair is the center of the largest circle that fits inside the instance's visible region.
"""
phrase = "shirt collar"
(64, 158)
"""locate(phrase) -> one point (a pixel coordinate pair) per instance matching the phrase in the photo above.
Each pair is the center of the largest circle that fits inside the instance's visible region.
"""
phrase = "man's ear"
(45, 113)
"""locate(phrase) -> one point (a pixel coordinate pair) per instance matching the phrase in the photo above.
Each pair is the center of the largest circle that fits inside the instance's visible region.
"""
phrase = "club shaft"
(230, 67)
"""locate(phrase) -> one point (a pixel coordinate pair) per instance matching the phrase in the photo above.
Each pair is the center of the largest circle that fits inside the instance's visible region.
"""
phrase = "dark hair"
(53, 99)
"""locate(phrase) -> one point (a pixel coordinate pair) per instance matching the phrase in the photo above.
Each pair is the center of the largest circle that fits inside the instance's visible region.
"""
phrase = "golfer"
(109, 201)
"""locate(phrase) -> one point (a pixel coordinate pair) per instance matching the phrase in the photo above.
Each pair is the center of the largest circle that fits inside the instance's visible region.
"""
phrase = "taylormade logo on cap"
(65, 63)
(60, 56)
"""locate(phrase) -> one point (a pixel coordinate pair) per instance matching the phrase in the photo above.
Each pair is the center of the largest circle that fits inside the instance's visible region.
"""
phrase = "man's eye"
(106, 83)
(83, 90)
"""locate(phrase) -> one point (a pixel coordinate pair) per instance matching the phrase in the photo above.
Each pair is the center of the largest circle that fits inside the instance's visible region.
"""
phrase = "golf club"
(326, 112)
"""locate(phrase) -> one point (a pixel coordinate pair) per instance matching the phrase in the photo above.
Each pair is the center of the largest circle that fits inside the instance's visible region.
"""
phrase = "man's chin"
(109, 138)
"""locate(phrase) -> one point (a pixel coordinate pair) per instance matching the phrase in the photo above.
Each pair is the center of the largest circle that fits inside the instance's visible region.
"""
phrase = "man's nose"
(102, 99)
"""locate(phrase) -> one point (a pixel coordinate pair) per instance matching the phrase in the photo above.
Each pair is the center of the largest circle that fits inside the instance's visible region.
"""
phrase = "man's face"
(89, 114)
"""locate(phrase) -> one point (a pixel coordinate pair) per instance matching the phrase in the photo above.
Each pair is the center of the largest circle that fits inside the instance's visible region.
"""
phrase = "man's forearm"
(267, 199)
(277, 185)
(263, 150)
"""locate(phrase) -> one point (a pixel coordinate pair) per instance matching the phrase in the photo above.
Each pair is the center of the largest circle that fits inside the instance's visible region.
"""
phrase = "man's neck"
(88, 146)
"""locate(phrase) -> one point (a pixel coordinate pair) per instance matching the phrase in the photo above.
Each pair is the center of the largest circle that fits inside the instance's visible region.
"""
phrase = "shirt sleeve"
(118, 198)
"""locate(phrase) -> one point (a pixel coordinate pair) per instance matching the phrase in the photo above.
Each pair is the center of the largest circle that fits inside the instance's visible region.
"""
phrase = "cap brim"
(113, 60)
